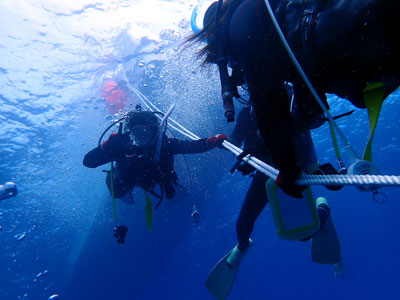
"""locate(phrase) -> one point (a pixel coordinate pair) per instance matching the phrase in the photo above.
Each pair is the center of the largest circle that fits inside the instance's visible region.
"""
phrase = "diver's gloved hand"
(286, 181)
(116, 141)
(216, 141)
(242, 166)
(117, 144)
(246, 169)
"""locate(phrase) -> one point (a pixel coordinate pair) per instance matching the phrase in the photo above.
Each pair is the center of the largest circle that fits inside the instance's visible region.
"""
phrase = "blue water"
(54, 57)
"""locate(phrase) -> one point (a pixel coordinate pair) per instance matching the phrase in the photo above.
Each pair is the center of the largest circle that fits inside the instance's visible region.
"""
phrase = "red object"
(216, 141)
(116, 98)
(278, 180)
(106, 141)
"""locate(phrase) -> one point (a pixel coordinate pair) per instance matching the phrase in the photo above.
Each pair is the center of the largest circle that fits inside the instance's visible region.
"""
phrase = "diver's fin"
(325, 246)
(220, 280)
(374, 94)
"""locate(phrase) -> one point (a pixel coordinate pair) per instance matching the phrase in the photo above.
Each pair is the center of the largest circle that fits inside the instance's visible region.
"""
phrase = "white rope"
(178, 127)
(364, 180)
(254, 161)
(369, 180)
(152, 107)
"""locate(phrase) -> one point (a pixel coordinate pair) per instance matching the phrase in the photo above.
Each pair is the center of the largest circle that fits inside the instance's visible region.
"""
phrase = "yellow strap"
(374, 95)
(149, 211)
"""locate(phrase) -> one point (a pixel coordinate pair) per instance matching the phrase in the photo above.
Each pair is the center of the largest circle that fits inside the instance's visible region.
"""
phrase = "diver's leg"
(305, 152)
(276, 127)
(258, 50)
(254, 203)
(323, 211)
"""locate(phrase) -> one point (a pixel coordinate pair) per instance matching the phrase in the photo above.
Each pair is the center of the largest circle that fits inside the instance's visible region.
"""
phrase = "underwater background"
(56, 235)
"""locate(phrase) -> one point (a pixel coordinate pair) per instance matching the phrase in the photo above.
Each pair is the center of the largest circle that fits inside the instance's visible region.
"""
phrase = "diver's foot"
(237, 255)
(323, 210)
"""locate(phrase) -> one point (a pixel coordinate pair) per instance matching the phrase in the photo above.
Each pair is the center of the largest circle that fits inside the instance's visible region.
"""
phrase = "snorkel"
(195, 28)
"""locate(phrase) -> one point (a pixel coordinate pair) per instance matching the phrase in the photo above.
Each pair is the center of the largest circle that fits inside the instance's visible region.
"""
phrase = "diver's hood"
(142, 127)
(143, 135)
(138, 118)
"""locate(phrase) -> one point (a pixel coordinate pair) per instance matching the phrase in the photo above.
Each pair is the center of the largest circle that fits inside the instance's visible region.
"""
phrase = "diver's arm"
(95, 158)
(113, 148)
(177, 146)
(241, 127)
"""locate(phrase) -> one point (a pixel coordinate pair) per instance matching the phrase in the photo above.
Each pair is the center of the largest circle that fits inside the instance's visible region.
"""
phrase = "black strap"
(160, 197)
(343, 115)
(239, 160)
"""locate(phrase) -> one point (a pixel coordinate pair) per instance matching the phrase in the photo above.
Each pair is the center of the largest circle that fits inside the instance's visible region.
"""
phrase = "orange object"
(116, 98)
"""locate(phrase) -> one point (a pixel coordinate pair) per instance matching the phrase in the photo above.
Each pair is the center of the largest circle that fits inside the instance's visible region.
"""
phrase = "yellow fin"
(373, 97)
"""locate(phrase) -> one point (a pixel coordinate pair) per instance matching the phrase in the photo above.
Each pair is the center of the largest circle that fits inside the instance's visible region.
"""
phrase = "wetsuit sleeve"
(95, 158)
(177, 146)
(113, 149)
(239, 132)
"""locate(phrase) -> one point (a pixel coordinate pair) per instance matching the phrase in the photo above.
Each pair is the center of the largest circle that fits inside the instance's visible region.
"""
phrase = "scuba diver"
(8, 190)
(219, 50)
(144, 155)
(325, 243)
(240, 35)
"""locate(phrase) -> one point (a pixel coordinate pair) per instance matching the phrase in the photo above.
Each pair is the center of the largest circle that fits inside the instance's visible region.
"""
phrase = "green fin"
(325, 246)
(220, 280)
(373, 97)
(149, 211)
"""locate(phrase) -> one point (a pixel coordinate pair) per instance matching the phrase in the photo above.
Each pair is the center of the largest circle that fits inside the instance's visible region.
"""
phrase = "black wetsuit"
(332, 41)
(136, 166)
(246, 133)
